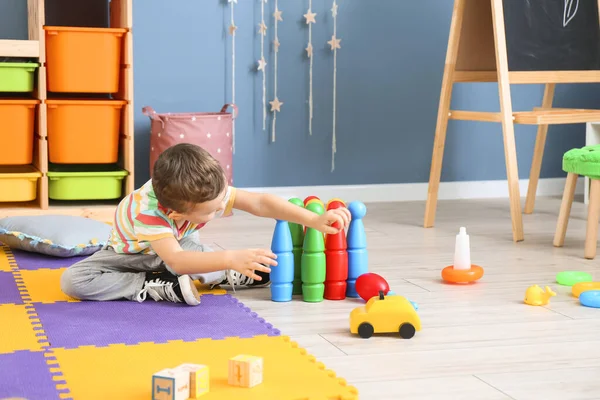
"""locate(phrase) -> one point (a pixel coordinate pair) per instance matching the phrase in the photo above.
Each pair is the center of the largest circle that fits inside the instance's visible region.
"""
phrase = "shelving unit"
(35, 49)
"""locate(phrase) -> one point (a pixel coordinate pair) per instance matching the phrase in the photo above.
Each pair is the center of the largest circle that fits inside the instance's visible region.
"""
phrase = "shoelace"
(235, 278)
(149, 290)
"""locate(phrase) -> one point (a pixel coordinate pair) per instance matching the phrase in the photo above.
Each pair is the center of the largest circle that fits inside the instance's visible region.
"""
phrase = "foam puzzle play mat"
(55, 347)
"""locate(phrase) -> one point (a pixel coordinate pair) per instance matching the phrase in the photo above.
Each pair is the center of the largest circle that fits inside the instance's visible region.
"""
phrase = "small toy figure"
(385, 314)
(535, 296)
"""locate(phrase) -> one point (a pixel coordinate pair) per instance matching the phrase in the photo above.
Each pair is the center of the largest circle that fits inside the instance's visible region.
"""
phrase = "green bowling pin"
(313, 264)
(297, 232)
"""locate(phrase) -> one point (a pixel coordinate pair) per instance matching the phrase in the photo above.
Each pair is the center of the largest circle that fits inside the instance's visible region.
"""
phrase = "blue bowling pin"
(358, 259)
(282, 275)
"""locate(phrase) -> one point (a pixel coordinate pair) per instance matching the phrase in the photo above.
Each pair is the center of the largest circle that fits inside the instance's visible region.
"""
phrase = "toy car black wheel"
(407, 331)
(365, 330)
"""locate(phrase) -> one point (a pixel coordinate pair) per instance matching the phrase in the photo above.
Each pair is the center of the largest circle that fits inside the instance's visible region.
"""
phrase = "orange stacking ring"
(462, 275)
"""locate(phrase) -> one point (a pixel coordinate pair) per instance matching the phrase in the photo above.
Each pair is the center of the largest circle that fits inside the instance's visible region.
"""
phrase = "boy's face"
(203, 212)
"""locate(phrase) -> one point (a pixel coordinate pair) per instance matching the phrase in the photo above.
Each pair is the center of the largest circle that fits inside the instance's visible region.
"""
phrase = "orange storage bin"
(17, 120)
(84, 131)
(83, 60)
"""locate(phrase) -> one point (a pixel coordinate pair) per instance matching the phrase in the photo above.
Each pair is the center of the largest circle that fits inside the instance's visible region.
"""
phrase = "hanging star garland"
(310, 19)
(275, 104)
(232, 29)
(262, 31)
(335, 45)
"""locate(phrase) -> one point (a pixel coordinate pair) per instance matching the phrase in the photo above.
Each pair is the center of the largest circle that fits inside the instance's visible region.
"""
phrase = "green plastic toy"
(297, 231)
(313, 262)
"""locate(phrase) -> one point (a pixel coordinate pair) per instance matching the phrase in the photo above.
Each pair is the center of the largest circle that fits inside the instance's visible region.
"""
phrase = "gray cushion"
(55, 235)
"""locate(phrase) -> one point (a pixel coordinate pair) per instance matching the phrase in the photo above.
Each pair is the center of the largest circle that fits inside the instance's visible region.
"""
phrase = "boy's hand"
(249, 260)
(332, 221)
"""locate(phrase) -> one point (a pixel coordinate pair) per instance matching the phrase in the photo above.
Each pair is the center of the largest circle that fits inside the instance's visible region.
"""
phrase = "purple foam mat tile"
(9, 293)
(32, 261)
(25, 374)
(71, 325)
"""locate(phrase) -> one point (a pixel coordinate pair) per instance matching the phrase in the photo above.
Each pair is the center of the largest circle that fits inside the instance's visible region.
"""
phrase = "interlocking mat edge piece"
(54, 347)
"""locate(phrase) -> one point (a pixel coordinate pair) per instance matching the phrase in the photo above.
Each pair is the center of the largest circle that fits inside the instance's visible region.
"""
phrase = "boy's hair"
(185, 175)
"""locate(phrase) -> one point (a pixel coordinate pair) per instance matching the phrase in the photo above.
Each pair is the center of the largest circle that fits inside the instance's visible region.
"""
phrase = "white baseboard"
(418, 191)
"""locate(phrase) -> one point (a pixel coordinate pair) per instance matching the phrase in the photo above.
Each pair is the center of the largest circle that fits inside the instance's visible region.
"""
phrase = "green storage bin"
(17, 77)
(89, 182)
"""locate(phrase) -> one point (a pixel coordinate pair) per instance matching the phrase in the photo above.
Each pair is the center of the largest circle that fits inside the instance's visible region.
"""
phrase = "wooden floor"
(478, 342)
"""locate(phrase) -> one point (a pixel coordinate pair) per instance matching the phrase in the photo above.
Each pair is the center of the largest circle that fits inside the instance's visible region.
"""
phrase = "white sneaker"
(164, 286)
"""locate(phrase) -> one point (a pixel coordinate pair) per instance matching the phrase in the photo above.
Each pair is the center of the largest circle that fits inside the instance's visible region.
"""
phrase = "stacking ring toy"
(454, 275)
(581, 287)
(570, 278)
(591, 298)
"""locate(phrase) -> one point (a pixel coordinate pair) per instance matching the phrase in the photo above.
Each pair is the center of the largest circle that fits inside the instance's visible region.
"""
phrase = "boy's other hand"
(333, 221)
(249, 260)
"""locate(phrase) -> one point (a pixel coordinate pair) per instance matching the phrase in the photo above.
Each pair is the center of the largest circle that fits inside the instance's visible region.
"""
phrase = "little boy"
(154, 247)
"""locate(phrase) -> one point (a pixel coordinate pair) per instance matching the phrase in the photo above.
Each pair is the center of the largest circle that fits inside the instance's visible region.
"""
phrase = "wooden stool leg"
(565, 209)
(591, 235)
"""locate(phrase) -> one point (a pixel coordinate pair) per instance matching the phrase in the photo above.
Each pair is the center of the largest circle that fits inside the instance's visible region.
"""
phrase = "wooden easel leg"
(443, 110)
(510, 150)
(538, 152)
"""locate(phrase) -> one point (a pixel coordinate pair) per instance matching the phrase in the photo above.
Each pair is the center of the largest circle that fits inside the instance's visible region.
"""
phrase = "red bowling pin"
(337, 262)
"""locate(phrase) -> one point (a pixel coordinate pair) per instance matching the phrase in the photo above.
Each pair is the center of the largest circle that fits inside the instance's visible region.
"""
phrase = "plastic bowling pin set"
(319, 266)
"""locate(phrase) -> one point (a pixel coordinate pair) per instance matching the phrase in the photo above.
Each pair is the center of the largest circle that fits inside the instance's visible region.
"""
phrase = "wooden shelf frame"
(477, 52)
(121, 16)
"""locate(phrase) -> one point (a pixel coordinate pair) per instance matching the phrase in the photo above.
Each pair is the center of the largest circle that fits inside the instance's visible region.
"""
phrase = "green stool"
(584, 162)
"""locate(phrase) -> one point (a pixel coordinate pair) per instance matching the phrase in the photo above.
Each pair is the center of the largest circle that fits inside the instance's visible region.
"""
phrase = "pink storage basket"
(211, 131)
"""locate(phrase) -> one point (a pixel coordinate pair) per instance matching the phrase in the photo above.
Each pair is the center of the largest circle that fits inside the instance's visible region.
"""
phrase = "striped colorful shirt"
(140, 219)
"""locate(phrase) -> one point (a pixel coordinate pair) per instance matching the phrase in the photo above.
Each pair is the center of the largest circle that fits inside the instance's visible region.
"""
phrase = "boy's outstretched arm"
(185, 262)
(271, 206)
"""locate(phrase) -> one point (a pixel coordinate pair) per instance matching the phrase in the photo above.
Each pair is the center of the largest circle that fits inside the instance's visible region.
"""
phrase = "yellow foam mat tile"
(4, 260)
(17, 330)
(205, 289)
(125, 372)
(43, 285)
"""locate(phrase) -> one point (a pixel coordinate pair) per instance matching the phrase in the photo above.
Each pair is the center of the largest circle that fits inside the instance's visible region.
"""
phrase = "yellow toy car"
(385, 314)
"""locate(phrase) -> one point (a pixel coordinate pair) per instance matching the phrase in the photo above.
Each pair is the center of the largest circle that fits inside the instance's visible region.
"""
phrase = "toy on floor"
(590, 298)
(358, 258)
(324, 266)
(392, 293)
(336, 260)
(581, 287)
(313, 262)
(297, 232)
(370, 284)
(282, 276)
(462, 271)
(536, 296)
(570, 278)
(245, 371)
(184, 382)
(385, 314)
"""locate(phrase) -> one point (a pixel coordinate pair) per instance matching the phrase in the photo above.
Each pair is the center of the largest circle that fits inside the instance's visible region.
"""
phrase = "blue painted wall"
(389, 76)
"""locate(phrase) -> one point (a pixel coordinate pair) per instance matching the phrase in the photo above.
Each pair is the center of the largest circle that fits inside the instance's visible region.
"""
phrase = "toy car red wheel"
(365, 330)
(407, 331)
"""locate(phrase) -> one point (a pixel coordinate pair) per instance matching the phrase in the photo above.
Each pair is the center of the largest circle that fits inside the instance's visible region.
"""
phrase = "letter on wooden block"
(245, 370)
(199, 379)
(171, 384)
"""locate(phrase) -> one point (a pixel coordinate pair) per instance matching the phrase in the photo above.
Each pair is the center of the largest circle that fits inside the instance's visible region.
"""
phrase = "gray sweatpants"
(107, 275)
